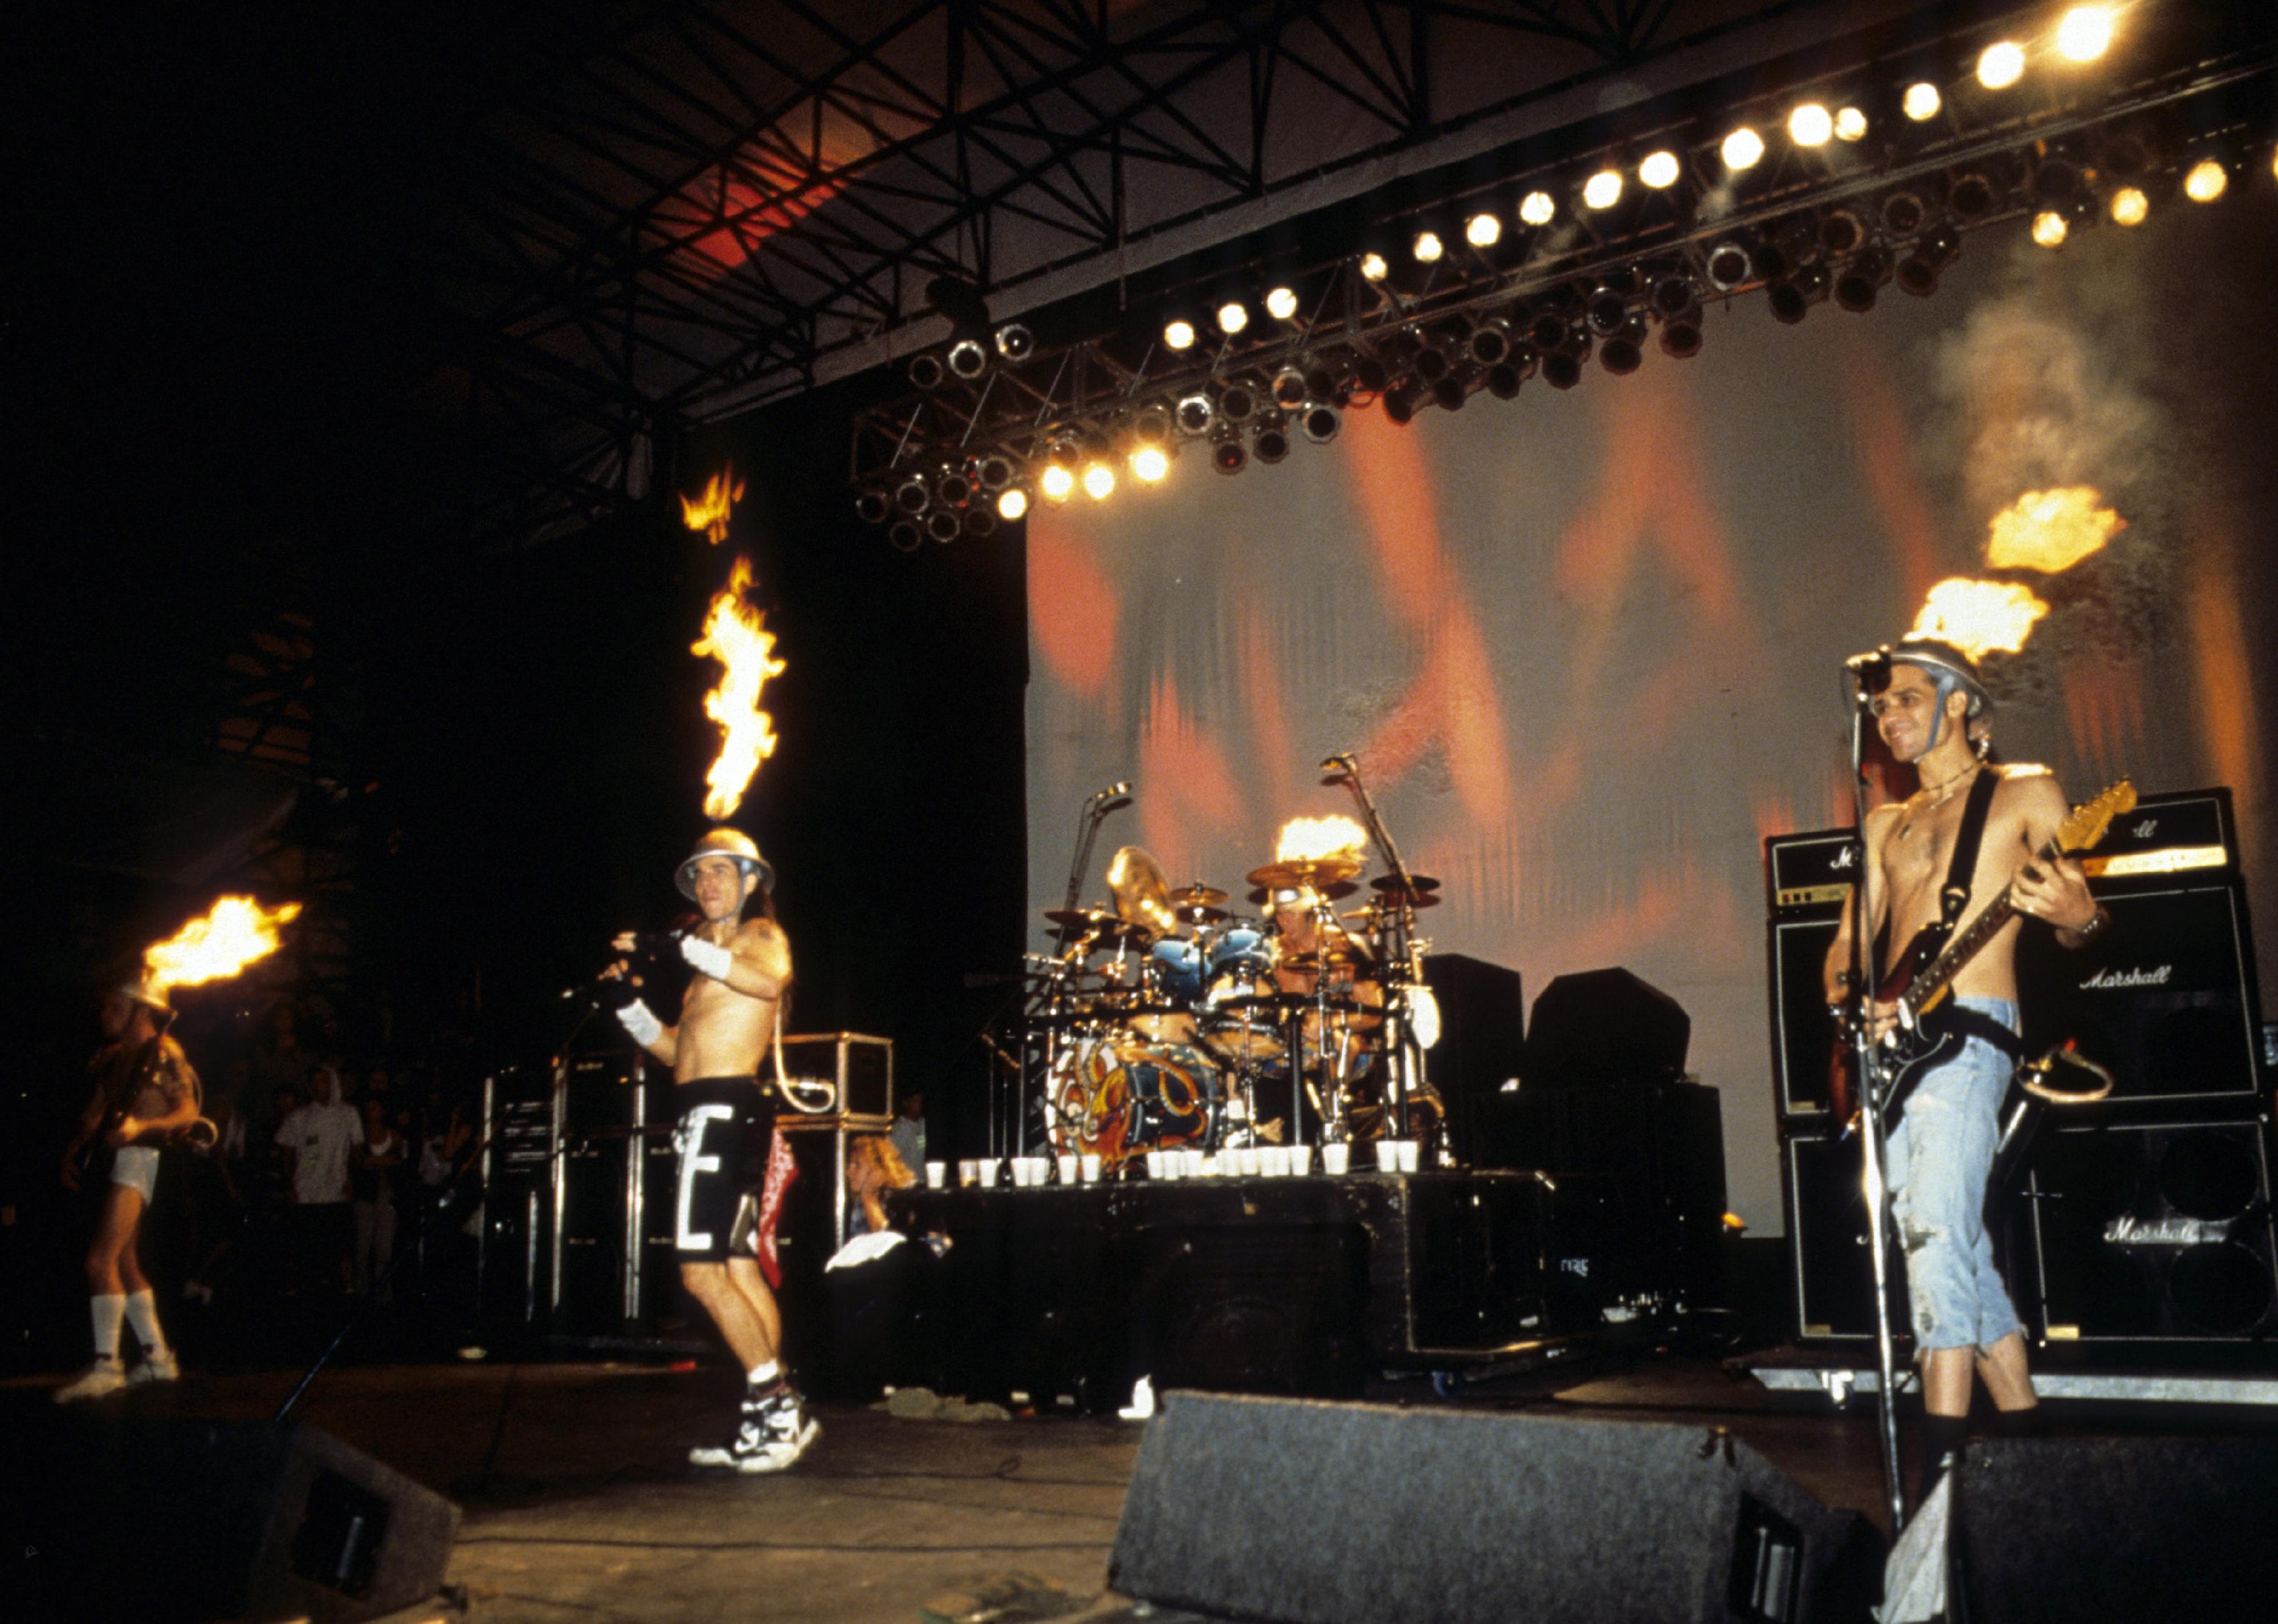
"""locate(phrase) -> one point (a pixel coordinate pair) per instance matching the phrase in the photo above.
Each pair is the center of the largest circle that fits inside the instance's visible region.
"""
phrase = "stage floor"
(590, 1511)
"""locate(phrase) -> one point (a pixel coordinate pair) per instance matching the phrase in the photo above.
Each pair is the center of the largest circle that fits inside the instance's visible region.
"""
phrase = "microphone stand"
(1094, 813)
(1406, 1061)
(1872, 1145)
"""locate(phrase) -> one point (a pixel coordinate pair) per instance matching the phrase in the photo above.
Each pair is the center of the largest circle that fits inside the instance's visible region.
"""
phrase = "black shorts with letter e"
(726, 1124)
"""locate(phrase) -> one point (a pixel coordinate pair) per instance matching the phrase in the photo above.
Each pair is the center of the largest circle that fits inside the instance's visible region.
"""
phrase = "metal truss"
(1805, 225)
(689, 209)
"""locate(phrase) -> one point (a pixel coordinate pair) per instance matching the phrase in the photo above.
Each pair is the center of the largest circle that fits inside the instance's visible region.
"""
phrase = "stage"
(587, 1510)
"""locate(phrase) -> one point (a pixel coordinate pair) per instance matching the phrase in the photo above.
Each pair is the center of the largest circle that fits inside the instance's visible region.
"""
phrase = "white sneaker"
(103, 1377)
(159, 1366)
(775, 1434)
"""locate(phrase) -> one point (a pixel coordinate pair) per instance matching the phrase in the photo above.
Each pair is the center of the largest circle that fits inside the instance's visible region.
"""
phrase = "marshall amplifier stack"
(2144, 1222)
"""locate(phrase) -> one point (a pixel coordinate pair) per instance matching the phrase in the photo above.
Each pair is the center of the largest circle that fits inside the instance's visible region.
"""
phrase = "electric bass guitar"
(1923, 1036)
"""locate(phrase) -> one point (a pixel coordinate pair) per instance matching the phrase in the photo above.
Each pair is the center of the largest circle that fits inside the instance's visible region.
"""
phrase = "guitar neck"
(1931, 982)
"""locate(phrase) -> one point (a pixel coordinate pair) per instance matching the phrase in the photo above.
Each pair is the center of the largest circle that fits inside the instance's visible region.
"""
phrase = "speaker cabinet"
(1827, 1237)
(1605, 1025)
(1482, 1040)
(2155, 1232)
(221, 1519)
(1306, 1513)
(1803, 1032)
(2086, 1530)
(2167, 998)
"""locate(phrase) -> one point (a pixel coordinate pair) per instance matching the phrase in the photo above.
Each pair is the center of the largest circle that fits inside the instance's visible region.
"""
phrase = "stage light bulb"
(1921, 102)
(1233, 317)
(1659, 170)
(2206, 182)
(1013, 503)
(1100, 482)
(1850, 124)
(2084, 32)
(2049, 229)
(1537, 209)
(2129, 206)
(1056, 484)
(1744, 148)
(1427, 247)
(1148, 464)
(1281, 304)
(1179, 333)
(1603, 189)
(2001, 65)
(1373, 268)
(1483, 231)
(1810, 126)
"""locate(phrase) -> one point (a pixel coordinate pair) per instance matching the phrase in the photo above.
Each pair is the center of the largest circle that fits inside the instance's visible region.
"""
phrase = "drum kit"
(1168, 1022)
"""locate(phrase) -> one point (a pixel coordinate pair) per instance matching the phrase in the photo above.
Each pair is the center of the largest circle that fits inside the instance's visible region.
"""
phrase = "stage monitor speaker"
(1459, 1516)
(2155, 1232)
(1605, 1025)
(2167, 998)
(1482, 1040)
(2091, 1529)
(160, 1519)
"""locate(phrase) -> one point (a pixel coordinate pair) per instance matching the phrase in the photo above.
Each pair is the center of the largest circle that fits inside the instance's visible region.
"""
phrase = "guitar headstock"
(2089, 821)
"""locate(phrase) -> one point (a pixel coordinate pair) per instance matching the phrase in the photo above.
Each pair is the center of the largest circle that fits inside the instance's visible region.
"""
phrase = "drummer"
(1306, 948)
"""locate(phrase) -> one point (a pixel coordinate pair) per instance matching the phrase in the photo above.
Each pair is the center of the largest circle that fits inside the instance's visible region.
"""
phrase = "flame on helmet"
(233, 934)
(736, 635)
(1304, 840)
(709, 512)
(1980, 617)
(2051, 530)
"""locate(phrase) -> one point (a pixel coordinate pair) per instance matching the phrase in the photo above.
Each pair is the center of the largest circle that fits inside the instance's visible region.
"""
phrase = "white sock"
(108, 1309)
(764, 1374)
(142, 1314)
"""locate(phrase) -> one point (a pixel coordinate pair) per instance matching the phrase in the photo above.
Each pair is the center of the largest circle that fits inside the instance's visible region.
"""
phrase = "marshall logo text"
(2167, 1231)
(2117, 980)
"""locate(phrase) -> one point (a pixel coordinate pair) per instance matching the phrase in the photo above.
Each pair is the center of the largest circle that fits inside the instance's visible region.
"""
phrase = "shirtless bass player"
(1931, 710)
(726, 1122)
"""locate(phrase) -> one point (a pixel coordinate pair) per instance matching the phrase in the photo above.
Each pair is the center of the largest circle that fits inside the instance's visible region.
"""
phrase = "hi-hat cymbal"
(1200, 913)
(1094, 925)
(1315, 872)
(1390, 900)
(1197, 895)
(1391, 882)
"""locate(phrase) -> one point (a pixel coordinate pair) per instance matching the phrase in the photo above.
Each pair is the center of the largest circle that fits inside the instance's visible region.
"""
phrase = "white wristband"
(706, 957)
(636, 1018)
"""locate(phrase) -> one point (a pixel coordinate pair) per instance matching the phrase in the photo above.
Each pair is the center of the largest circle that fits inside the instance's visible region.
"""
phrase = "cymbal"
(1197, 895)
(1391, 882)
(1200, 913)
(1142, 892)
(1287, 1001)
(1095, 926)
(1263, 895)
(1391, 900)
(1315, 872)
(1336, 956)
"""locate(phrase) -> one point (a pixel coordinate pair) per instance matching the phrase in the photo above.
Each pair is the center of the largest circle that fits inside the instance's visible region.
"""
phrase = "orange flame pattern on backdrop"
(1304, 839)
(710, 512)
(1980, 617)
(2051, 530)
(736, 635)
(228, 936)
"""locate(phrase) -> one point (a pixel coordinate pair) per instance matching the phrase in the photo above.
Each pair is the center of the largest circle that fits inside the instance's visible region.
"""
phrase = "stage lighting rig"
(1270, 442)
(2206, 181)
(2130, 206)
(1921, 102)
(2001, 65)
(1537, 209)
(1012, 503)
(1742, 149)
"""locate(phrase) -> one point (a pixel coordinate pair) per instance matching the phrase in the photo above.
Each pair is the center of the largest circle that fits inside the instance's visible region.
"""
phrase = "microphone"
(1336, 767)
(1112, 791)
(1872, 668)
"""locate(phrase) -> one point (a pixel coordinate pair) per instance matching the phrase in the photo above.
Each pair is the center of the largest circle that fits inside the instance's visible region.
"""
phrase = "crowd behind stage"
(333, 1172)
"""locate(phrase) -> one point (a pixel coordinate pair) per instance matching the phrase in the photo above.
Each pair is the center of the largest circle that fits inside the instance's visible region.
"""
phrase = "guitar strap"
(1955, 895)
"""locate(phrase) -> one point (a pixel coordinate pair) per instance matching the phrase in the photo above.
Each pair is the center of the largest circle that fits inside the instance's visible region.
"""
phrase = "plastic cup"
(1336, 1159)
(1408, 1150)
(968, 1173)
(1301, 1160)
(1194, 1161)
(1247, 1160)
(937, 1175)
(1388, 1156)
(1089, 1166)
(1068, 1168)
(1276, 1159)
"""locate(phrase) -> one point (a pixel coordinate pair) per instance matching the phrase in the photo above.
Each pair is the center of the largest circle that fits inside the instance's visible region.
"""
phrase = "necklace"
(1939, 794)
